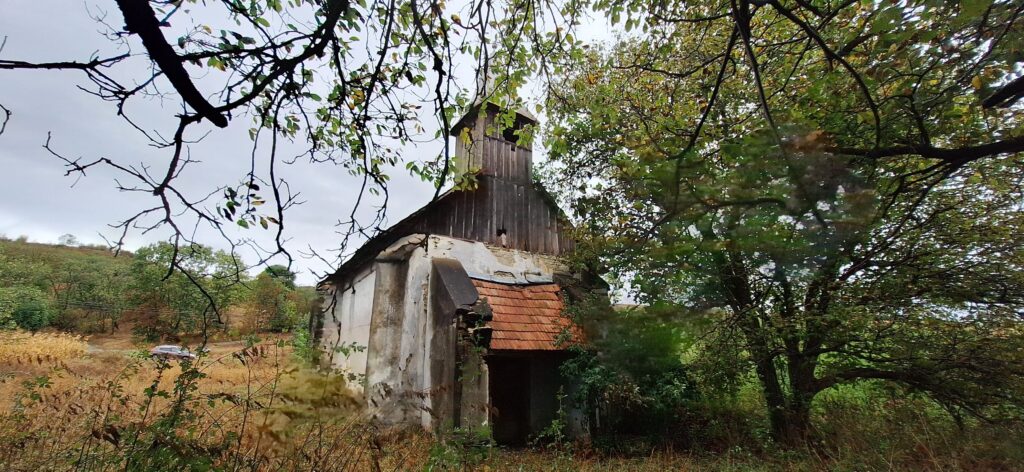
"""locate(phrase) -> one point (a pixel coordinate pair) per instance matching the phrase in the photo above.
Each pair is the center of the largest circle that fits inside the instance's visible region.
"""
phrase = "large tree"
(836, 184)
(188, 299)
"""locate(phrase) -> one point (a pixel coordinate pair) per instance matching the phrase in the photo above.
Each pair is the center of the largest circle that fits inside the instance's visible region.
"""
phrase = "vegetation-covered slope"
(90, 289)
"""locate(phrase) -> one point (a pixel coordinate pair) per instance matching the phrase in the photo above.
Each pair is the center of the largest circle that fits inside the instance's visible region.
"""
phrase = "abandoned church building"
(453, 317)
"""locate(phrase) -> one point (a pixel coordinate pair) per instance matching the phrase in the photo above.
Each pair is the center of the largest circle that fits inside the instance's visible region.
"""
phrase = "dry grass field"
(22, 347)
(73, 403)
(69, 402)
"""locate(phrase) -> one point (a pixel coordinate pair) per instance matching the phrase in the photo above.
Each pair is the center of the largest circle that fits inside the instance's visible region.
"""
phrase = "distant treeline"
(86, 289)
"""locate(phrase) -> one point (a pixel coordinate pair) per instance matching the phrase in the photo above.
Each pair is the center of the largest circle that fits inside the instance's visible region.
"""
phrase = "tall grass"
(246, 409)
(22, 346)
(257, 408)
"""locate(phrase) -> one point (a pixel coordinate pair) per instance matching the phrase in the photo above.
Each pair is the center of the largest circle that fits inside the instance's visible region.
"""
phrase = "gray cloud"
(38, 201)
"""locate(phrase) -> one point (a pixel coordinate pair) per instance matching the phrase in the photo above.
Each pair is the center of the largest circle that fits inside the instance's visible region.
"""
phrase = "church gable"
(500, 213)
(506, 209)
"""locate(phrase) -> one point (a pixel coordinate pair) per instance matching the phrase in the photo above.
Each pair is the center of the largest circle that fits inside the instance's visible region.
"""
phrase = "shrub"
(32, 315)
(12, 298)
(460, 449)
(633, 376)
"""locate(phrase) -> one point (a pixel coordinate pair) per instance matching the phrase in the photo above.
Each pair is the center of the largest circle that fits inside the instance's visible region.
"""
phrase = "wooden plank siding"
(505, 199)
(499, 158)
(520, 209)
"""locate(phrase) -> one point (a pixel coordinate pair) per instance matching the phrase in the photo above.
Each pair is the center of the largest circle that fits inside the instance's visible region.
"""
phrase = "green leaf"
(216, 63)
(886, 19)
(974, 8)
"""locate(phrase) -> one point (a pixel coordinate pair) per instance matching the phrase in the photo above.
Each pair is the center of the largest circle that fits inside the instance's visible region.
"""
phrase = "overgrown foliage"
(630, 376)
(823, 182)
(247, 408)
(80, 288)
(90, 290)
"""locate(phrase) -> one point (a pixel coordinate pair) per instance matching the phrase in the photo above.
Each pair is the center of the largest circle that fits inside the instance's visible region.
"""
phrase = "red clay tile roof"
(527, 317)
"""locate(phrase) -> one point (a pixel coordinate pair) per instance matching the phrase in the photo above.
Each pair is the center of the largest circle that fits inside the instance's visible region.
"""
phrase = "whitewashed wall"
(398, 332)
(347, 324)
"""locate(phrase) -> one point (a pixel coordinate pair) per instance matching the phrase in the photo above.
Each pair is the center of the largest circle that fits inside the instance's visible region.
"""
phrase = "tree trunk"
(789, 415)
(795, 431)
(789, 418)
(803, 387)
(774, 397)
(785, 423)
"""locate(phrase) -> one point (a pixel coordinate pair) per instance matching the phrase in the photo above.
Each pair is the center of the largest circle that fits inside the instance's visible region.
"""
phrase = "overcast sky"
(38, 201)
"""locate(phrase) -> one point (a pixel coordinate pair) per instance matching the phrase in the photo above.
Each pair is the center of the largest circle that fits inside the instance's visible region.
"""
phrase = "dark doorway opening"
(509, 385)
(523, 389)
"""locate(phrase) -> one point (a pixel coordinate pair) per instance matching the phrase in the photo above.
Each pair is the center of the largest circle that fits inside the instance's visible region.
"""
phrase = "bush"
(461, 449)
(32, 315)
(305, 348)
(23, 307)
(632, 377)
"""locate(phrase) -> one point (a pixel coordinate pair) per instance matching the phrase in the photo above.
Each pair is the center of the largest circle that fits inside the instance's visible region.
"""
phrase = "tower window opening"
(510, 134)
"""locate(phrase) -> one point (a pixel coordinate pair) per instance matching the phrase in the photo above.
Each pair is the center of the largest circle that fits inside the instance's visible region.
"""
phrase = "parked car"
(168, 352)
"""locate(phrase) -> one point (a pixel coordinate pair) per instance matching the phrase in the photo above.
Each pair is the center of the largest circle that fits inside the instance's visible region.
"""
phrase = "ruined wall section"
(346, 324)
(388, 307)
(498, 264)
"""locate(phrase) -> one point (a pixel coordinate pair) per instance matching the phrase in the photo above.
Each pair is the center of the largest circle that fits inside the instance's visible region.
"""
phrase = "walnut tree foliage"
(836, 184)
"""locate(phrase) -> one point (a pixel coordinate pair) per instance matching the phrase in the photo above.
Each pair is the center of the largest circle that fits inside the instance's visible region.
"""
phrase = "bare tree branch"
(6, 118)
(958, 156)
(140, 19)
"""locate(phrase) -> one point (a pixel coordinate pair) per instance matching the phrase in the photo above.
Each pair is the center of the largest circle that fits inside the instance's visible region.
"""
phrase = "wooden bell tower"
(494, 144)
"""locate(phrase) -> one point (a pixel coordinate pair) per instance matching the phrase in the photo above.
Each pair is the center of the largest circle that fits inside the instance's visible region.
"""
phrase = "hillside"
(89, 289)
(55, 254)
